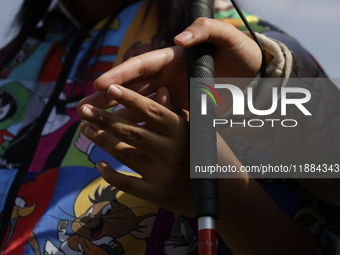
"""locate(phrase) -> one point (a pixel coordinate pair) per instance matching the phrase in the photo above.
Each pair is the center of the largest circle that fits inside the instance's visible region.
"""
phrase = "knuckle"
(131, 99)
(153, 110)
(131, 134)
(97, 82)
(108, 178)
(125, 157)
(203, 22)
(130, 186)
(102, 141)
(142, 68)
(125, 187)
(103, 120)
(102, 81)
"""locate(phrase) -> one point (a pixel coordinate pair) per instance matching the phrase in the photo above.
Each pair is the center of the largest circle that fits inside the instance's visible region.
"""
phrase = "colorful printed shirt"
(52, 198)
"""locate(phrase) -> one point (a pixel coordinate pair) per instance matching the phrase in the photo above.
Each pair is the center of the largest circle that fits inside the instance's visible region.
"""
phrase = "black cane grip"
(202, 134)
(200, 58)
(197, 9)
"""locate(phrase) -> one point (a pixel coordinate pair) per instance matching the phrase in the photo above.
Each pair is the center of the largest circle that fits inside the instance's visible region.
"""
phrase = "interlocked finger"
(123, 152)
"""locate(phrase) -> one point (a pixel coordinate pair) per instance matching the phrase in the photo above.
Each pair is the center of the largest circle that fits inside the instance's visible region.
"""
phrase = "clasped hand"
(159, 149)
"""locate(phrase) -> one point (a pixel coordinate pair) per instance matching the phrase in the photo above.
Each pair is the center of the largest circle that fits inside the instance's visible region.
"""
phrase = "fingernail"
(164, 96)
(100, 167)
(90, 133)
(114, 92)
(185, 36)
(86, 112)
(166, 93)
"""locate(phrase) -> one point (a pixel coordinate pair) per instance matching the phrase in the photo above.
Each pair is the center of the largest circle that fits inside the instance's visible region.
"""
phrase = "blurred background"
(314, 23)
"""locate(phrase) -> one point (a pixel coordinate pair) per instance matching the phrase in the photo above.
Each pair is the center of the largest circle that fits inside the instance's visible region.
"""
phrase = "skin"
(251, 222)
(162, 160)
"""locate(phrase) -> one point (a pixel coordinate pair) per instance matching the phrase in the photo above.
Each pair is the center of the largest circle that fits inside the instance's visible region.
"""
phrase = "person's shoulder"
(226, 12)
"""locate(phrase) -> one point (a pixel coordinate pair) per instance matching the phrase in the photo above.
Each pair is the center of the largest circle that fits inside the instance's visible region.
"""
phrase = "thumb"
(214, 31)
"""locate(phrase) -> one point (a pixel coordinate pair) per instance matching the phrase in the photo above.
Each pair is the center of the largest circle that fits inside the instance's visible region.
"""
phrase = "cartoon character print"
(97, 229)
(94, 57)
(95, 154)
(98, 53)
(58, 130)
(84, 145)
(20, 210)
(14, 98)
(182, 239)
(54, 61)
(59, 117)
(26, 212)
(104, 58)
(27, 50)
